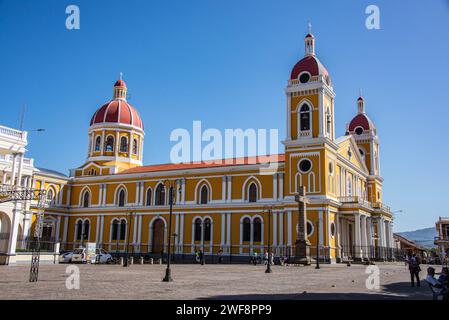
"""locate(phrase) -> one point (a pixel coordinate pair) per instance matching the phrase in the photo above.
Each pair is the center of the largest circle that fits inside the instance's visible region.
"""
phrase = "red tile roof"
(208, 164)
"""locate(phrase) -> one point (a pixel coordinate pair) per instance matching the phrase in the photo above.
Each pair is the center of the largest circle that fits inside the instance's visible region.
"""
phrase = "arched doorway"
(157, 244)
(5, 226)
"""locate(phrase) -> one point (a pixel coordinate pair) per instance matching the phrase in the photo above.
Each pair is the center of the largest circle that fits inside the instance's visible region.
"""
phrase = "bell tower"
(310, 99)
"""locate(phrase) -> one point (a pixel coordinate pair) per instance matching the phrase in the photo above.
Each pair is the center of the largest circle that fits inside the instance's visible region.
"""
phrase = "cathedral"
(238, 206)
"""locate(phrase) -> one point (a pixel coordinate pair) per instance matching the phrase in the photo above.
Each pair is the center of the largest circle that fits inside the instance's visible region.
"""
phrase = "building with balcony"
(442, 240)
(16, 172)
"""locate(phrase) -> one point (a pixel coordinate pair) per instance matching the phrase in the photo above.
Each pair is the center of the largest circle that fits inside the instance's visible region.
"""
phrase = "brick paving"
(211, 282)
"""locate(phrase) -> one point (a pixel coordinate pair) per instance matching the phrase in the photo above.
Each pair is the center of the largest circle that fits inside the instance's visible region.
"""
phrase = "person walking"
(201, 256)
(220, 255)
(414, 268)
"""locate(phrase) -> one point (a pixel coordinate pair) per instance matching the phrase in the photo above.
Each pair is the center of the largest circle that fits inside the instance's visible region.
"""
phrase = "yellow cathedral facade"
(116, 201)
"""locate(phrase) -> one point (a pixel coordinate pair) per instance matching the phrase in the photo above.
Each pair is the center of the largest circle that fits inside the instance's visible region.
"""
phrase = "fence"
(372, 253)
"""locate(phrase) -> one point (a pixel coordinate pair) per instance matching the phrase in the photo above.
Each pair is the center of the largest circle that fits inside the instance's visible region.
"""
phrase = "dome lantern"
(120, 89)
(309, 43)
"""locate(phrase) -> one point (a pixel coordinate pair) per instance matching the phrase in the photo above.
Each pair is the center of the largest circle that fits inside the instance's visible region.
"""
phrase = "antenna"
(22, 117)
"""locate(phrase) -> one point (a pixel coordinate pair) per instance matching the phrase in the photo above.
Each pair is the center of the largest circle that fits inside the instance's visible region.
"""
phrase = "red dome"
(361, 120)
(117, 111)
(120, 83)
(310, 64)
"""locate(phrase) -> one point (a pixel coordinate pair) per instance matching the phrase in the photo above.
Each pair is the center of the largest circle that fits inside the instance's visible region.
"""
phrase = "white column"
(338, 235)
(13, 169)
(320, 113)
(229, 189)
(183, 191)
(66, 228)
(211, 242)
(19, 172)
(357, 252)
(181, 234)
(223, 188)
(136, 218)
(321, 231)
(289, 228)
(228, 232)
(223, 227)
(69, 191)
(275, 187)
(364, 237)
(4, 177)
(14, 230)
(281, 186)
(281, 228)
(58, 229)
(177, 232)
(275, 229)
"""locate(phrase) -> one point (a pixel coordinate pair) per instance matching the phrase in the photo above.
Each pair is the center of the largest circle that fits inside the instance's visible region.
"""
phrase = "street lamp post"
(269, 209)
(171, 185)
(317, 244)
(126, 263)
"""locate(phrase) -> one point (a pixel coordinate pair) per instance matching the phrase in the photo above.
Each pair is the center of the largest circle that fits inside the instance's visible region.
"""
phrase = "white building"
(16, 171)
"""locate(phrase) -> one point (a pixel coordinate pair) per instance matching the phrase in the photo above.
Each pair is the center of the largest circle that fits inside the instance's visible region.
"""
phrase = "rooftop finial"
(310, 27)
(360, 103)
(310, 42)
(360, 92)
(121, 75)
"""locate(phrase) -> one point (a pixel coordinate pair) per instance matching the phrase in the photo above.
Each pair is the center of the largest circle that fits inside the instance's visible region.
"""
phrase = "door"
(158, 236)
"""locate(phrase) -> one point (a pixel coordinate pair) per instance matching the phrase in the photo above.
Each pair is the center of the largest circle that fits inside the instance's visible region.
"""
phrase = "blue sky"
(226, 63)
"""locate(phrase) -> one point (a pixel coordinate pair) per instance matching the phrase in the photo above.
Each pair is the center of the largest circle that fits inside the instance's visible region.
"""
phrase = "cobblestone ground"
(211, 282)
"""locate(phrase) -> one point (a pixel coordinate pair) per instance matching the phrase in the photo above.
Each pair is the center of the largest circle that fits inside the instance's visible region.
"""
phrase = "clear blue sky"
(226, 63)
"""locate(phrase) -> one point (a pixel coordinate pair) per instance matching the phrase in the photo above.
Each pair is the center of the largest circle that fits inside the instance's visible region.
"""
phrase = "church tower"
(310, 121)
(365, 134)
(116, 136)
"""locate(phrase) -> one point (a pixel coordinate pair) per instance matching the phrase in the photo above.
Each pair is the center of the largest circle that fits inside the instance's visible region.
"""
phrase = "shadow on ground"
(393, 291)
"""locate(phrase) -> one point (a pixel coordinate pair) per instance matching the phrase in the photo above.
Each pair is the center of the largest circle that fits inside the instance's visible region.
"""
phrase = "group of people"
(199, 256)
(439, 286)
(255, 259)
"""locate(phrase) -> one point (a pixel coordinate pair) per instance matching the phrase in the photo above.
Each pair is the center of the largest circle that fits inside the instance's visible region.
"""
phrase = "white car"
(79, 255)
(66, 257)
(102, 256)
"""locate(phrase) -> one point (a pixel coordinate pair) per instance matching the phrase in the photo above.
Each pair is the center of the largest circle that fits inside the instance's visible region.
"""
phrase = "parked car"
(66, 257)
(79, 255)
(102, 256)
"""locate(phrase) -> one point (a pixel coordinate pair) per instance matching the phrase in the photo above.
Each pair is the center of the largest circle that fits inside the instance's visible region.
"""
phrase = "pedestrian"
(220, 255)
(265, 258)
(201, 256)
(414, 268)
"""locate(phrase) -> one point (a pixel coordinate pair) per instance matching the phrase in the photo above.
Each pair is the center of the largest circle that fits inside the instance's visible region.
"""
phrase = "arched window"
(160, 195)
(86, 229)
(79, 229)
(246, 229)
(198, 226)
(86, 199)
(109, 145)
(149, 194)
(122, 229)
(50, 195)
(135, 146)
(123, 144)
(97, 143)
(115, 229)
(304, 116)
(207, 227)
(257, 230)
(204, 195)
(252, 193)
(121, 198)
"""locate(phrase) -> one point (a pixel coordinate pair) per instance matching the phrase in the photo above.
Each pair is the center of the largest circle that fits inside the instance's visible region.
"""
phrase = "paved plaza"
(211, 282)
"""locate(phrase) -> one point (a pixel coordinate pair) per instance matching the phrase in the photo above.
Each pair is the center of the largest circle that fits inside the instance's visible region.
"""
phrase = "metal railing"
(12, 132)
